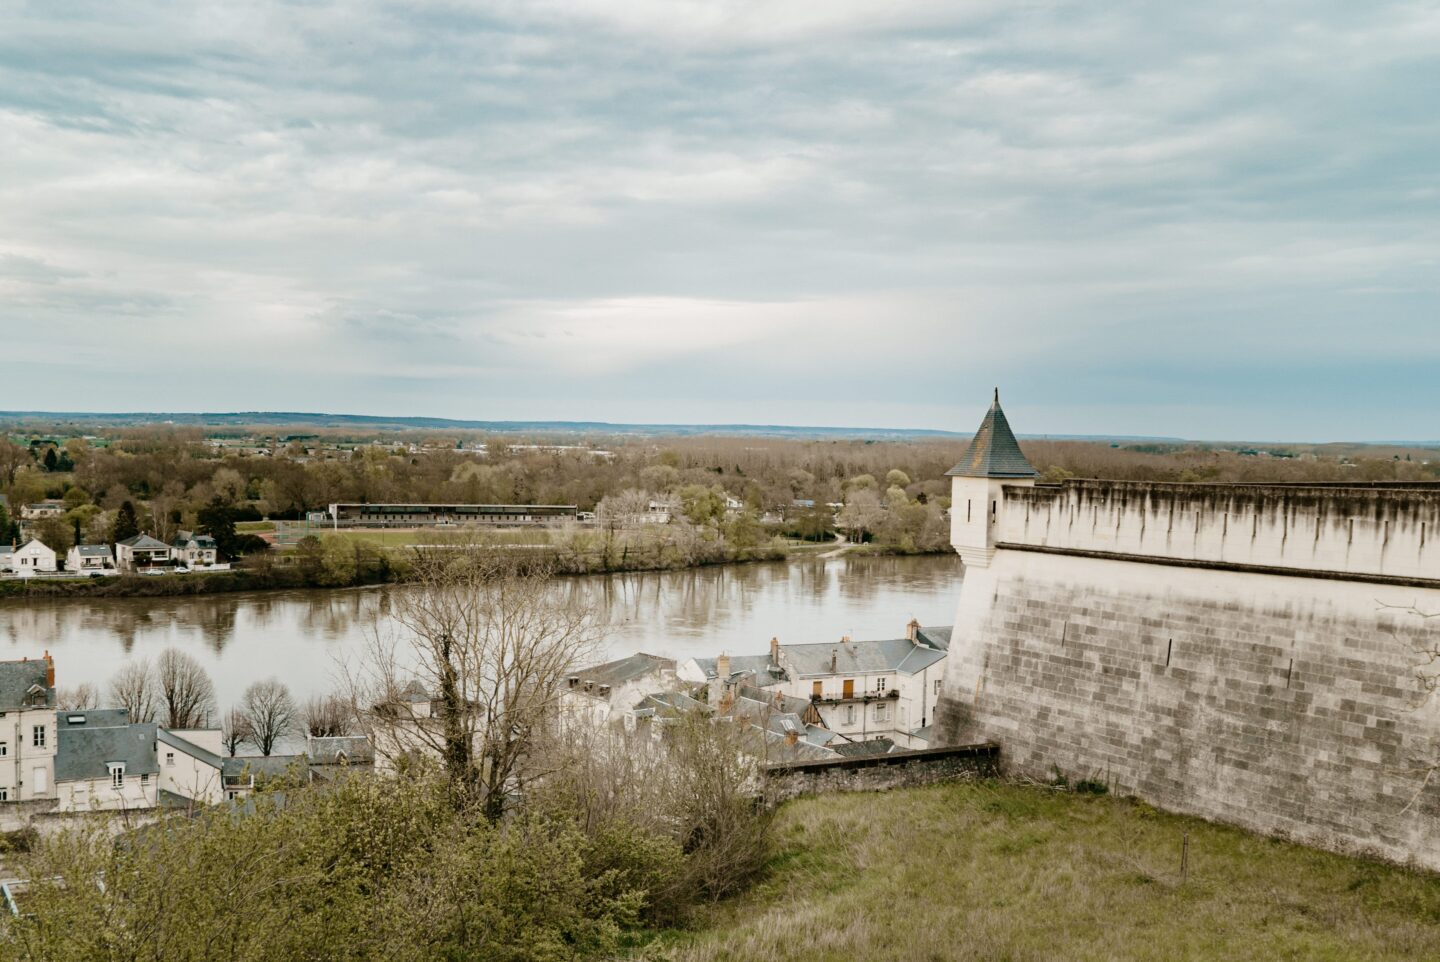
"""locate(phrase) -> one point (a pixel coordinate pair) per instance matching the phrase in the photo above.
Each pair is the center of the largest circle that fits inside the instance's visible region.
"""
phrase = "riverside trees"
(475, 674)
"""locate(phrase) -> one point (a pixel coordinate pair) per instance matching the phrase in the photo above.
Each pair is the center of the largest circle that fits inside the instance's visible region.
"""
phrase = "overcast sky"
(1205, 220)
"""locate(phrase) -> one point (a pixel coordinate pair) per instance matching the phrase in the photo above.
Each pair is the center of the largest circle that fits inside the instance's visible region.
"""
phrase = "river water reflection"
(299, 635)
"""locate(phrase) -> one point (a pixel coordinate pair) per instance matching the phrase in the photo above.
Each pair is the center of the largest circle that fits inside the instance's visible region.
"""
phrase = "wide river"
(302, 637)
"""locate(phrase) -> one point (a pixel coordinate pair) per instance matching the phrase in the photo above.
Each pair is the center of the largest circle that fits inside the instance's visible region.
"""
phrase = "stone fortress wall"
(1252, 654)
(1373, 532)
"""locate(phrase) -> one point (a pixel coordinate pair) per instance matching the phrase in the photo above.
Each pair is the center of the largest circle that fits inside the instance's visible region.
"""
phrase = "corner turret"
(977, 498)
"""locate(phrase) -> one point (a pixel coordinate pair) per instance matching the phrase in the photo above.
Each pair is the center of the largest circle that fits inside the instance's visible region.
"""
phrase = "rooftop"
(144, 542)
(994, 452)
(624, 670)
(859, 657)
(18, 679)
(88, 752)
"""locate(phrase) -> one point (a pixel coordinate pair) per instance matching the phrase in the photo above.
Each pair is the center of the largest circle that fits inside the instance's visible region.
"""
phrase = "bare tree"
(185, 691)
(488, 646)
(325, 715)
(270, 713)
(133, 688)
(235, 730)
(79, 698)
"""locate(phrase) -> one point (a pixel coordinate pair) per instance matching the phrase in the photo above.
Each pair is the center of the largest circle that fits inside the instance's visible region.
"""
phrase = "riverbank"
(389, 567)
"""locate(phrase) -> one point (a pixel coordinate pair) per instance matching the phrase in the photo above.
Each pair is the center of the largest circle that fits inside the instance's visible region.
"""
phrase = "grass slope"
(1002, 872)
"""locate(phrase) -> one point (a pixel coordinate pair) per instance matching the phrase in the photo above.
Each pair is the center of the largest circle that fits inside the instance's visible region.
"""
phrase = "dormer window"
(117, 774)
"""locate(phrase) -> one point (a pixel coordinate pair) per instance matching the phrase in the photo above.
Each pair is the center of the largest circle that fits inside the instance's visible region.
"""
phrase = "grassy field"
(998, 872)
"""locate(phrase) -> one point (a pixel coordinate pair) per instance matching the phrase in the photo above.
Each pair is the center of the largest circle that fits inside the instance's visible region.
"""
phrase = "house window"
(815, 689)
(937, 687)
(117, 775)
(4, 794)
(849, 714)
(882, 712)
(881, 684)
(170, 757)
(38, 734)
(144, 781)
(4, 749)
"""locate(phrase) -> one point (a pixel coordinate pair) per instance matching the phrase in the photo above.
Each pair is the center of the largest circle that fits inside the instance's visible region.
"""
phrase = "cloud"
(840, 211)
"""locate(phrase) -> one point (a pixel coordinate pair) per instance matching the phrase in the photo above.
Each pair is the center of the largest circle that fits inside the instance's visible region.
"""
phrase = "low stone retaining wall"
(877, 773)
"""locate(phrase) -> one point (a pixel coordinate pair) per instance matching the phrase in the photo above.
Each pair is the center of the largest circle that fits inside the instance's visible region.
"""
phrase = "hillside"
(996, 872)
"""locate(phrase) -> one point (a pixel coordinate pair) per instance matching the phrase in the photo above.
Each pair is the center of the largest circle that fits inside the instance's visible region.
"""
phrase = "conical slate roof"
(994, 453)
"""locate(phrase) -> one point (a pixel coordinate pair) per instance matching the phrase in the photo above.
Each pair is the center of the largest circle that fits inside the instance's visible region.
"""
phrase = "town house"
(142, 553)
(27, 729)
(104, 762)
(90, 559)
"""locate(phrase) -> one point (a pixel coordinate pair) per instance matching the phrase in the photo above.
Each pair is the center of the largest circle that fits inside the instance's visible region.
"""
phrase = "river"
(302, 636)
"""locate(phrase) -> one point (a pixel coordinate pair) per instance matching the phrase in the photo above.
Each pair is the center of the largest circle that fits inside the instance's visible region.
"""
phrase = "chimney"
(49, 670)
(722, 667)
(912, 630)
(834, 659)
(791, 737)
(775, 652)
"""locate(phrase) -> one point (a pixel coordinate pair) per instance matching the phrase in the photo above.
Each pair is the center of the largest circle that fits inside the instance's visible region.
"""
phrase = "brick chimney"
(912, 630)
(49, 670)
(834, 659)
(722, 667)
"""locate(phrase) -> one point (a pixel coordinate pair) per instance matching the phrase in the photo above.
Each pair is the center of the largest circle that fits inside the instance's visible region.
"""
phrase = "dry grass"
(1003, 872)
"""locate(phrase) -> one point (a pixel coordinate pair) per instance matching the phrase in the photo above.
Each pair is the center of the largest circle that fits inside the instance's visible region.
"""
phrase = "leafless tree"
(325, 715)
(486, 646)
(133, 688)
(235, 731)
(269, 712)
(78, 698)
(185, 691)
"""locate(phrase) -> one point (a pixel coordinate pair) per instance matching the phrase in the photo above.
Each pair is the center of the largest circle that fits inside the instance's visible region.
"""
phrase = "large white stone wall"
(1387, 532)
(1289, 705)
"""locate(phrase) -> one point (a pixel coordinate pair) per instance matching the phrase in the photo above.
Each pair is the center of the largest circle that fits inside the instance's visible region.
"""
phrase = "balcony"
(860, 698)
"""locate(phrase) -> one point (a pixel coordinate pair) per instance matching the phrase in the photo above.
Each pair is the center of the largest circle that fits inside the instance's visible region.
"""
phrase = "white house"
(595, 696)
(27, 729)
(40, 510)
(192, 766)
(191, 763)
(31, 558)
(142, 553)
(194, 550)
(90, 559)
(104, 762)
(862, 689)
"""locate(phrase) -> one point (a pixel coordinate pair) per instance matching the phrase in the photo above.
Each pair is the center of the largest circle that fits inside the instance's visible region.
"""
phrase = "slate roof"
(144, 542)
(756, 666)
(860, 657)
(16, 680)
(184, 538)
(994, 452)
(935, 637)
(325, 750)
(778, 750)
(93, 550)
(623, 670)
(92, 718)
(85, 752)
(776, 700)
(669, 704)
(260, 767)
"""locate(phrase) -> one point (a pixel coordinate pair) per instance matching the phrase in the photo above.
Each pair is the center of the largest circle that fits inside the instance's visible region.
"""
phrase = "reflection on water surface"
(298, 635)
